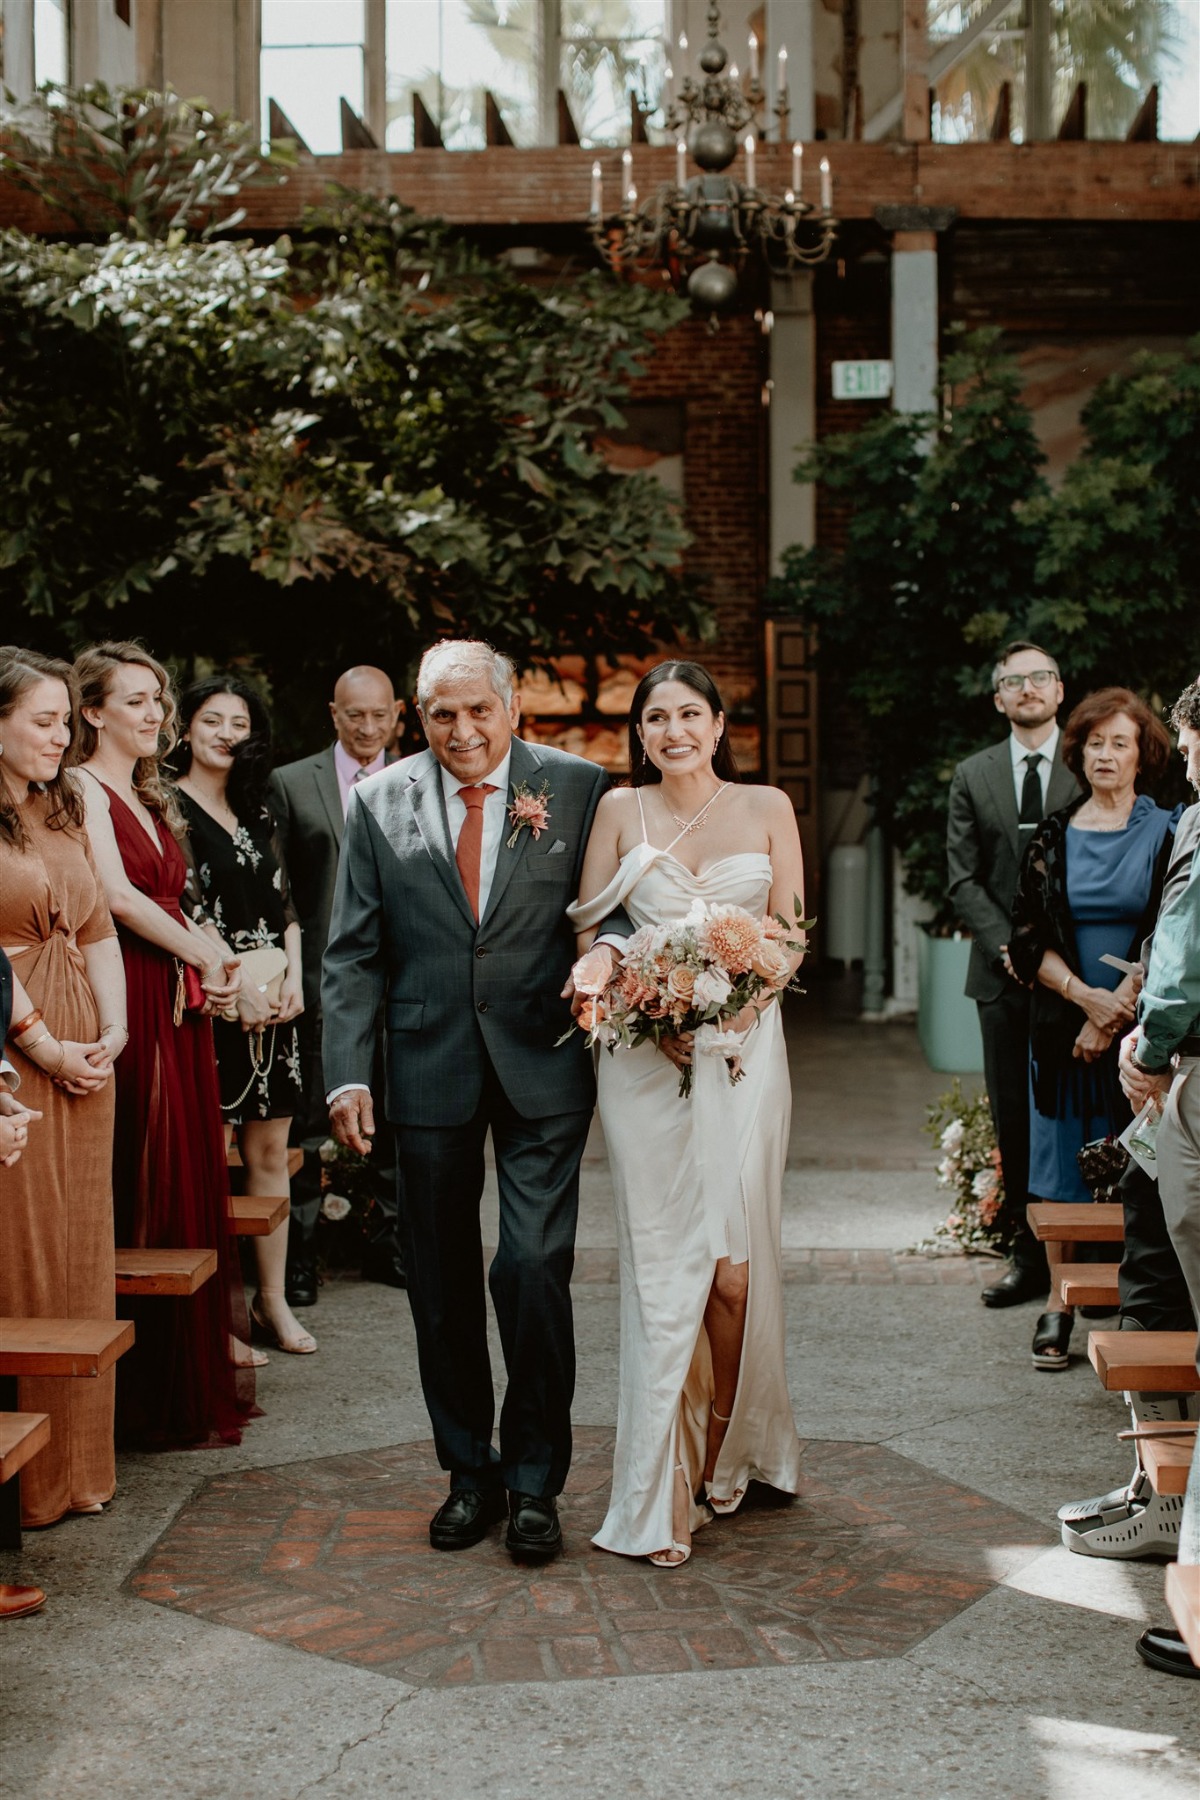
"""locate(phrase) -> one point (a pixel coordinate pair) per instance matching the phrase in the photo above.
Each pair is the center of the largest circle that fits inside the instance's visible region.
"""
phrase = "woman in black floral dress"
(224, 758)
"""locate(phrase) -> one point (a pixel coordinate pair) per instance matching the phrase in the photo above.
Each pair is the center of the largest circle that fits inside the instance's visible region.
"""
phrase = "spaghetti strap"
(642, 814)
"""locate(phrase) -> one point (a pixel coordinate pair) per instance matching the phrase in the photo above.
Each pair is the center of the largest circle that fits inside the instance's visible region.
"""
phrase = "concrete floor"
(1032, 1691)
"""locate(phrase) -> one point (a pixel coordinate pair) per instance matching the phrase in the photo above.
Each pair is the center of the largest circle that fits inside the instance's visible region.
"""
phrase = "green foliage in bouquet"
(277, 454)
(969, 1170)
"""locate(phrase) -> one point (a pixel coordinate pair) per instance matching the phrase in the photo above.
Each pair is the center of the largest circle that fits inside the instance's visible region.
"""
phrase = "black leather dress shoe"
(384, 1263)
(466, 1517)
(1163, 1649)
(1016, 1287)
(534, 1533)
(301, 1281)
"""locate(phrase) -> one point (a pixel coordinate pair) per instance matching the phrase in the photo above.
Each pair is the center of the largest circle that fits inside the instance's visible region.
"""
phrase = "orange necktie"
(470, 840)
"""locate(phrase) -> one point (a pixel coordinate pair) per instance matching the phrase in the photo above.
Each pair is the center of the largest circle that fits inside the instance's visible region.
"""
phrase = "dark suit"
(474, 1015)
(984, 847)
(306, 802)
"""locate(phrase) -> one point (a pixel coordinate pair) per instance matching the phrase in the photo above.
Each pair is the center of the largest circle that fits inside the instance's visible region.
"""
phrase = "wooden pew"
(1145, 1361)
(78, 1348)
(256, 1215)
(22, 1435)
(1065, 1222)
(1166, 1455)
(174, 1272)
(1089, 1284)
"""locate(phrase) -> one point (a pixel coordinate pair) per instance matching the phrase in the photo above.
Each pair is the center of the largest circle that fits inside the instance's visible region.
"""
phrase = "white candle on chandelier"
(797, 165)
(781, 69)
(631, 198)
(627, 172)
(680, 163)
(597, 191)
(753, 57)
(734, 75)
(826, 186)
(750, 148)
(669, 85)
(683, 43)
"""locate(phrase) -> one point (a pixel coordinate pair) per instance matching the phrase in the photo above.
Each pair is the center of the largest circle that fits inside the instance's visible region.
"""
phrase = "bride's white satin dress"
(695, 1179)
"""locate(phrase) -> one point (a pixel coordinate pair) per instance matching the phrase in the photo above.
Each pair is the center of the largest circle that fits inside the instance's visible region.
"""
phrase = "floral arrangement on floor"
(694, 972)
(961, 1126)
(347, 1203)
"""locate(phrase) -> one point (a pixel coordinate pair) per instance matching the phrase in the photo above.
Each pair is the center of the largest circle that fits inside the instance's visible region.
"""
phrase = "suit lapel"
(524, 767)
(325, 776)
(425, 796)
(1000, 781)
(1063, 787)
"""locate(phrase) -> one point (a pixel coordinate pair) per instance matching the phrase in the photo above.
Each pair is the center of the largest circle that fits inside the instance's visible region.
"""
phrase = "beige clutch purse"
(263, 968)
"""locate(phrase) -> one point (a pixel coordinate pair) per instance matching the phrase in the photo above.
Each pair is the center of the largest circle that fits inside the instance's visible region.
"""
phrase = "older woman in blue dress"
(1089, 887)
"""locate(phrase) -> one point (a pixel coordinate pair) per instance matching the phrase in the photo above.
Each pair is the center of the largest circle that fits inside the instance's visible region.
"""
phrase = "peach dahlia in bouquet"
(698, 970)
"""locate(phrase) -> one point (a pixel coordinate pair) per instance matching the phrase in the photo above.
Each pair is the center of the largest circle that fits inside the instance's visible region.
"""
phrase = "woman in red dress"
(188, 1379)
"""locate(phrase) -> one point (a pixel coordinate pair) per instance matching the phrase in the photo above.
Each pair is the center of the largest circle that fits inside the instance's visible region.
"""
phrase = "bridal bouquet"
(699, 970)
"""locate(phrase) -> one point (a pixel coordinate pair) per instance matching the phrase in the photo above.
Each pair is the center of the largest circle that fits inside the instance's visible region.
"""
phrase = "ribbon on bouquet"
(717, 1143)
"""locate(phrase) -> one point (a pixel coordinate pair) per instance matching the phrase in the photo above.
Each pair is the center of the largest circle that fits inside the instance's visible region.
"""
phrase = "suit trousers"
(1004, 1025)
(1154, 1293)
(312, 1130)
(1178, 1147)
(537, 1171)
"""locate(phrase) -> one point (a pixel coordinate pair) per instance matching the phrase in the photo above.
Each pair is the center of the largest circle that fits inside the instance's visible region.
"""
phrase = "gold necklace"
(687, 826)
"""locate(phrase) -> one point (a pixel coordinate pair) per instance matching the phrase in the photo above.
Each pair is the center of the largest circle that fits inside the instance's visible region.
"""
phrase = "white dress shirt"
(495, 817)
(1020, 751)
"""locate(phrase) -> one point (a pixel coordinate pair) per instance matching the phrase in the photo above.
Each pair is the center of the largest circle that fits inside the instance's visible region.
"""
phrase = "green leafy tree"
(274, 455)
(937, 568)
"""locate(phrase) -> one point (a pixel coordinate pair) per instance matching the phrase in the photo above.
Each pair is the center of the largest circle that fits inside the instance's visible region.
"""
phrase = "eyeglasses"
(1039, 678)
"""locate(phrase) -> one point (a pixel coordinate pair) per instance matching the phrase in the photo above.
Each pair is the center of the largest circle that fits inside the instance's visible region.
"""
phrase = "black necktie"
(1031, 794)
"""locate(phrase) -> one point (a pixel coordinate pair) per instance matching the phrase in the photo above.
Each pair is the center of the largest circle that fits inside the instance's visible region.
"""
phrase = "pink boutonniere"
(530, 810)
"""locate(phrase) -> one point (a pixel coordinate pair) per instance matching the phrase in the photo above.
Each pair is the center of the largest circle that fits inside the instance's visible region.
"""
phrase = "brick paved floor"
(332, 1556)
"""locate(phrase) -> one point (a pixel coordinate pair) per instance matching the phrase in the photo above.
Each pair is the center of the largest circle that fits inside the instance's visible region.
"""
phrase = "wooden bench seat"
(22, 1435)
(1167, 1458)
(172, 1272)
(76, 1347)
(1183, 1602)
(295, 1160)
(1145, 1361)
(256, 1215)
(1089, 1284)
(1066, 1222)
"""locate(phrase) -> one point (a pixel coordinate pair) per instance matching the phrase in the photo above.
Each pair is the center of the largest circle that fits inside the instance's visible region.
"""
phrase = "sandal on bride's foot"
(722, 1507)
(677, 1555)
(302, 1343)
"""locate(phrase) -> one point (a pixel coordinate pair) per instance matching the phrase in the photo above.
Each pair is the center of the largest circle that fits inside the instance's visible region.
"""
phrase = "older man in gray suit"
(309, 800)
(997, 799)
(457, 867)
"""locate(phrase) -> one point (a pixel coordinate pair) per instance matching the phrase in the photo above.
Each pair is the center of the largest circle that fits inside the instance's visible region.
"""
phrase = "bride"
(703, 1401)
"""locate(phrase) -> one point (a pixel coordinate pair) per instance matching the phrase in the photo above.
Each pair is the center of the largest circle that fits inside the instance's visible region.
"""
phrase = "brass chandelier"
(708, 226)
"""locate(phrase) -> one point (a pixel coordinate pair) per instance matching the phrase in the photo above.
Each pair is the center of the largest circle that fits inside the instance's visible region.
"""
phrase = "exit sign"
(862, 380)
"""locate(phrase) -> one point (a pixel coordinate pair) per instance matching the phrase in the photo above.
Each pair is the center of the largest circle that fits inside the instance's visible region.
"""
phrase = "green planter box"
(947, 1022)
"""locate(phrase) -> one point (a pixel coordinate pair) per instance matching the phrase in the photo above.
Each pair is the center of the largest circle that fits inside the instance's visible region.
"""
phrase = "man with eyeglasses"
(997, 799)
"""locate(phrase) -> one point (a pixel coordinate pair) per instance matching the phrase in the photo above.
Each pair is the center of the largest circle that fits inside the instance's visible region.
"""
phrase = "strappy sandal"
(678, 1554)
(722, 1507)
(1051, 1338)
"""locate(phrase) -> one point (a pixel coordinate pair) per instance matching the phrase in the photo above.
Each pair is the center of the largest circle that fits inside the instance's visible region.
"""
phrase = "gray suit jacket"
(458, 993)
(307, 806)
(984, 847)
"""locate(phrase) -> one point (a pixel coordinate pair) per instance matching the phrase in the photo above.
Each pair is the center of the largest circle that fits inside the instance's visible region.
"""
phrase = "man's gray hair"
(457, 659)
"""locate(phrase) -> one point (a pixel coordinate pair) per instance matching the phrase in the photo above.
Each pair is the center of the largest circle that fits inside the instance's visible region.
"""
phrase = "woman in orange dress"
(56, 1215)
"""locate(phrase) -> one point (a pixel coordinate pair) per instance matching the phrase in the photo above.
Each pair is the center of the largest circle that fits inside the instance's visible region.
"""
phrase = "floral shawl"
(1041, 921)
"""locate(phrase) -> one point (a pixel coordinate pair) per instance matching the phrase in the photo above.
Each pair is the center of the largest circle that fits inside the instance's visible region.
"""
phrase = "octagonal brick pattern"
(332, 1557)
